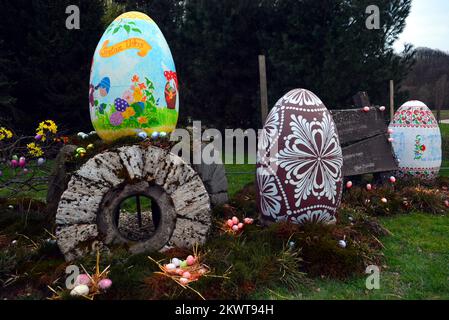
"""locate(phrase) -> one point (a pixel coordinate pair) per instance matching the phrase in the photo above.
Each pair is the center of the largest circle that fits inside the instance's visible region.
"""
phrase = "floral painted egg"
(133, 83)
(299, 161)
(416, 140)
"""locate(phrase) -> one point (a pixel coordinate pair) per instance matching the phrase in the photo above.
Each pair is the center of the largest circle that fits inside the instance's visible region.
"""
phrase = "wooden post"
(391, 100)
(263, 89)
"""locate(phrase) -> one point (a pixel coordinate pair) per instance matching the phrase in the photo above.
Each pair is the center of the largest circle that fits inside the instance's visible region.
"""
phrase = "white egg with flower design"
(416, 140)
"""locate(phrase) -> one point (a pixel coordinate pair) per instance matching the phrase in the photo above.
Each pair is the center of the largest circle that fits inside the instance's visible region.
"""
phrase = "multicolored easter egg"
(416, 140)
(133, 82)
(299, 161)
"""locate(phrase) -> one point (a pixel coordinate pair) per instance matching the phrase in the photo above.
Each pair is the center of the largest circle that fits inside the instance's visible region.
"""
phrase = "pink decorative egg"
(299, 161)
(190, 260)
(105, 284)
(83, 279)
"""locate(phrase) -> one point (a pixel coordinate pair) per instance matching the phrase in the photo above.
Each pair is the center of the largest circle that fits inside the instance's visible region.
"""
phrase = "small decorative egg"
(25, 170)
(230, 223)
(179, 272)
(170, 267)
(80, 150)
(155, 135)
(105, 284)
(240, 225)
(83, 279)
(40, 161)
(184, 281)
(183, 264)
(366, 109)
(235, 227)
(291, 244)
(80, 134)
(15, 157)
(92, 133)
(248, 220)
(14, 163)
(176, 262)
(14, 242)
(90, 146)
(190, 260)
(38, 137)
(369, 187)
(382, 108)
(392, 179)
(202, 271)
(349, 184)
(390, 139)
(22, 162)
(390, 131)
(163, 134)
(342, 244)
(10, 207)
(384, 200)
(186, 275)
(142, 135)
(235, 220)
(80, 290)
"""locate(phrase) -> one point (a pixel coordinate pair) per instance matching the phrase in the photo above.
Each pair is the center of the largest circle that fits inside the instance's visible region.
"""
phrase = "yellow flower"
(128, 113)
(34, 150)
(142, 120)
(47, 126)
(5, 133)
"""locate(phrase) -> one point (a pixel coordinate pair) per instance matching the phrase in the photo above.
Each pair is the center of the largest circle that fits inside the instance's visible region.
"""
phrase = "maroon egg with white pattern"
(299, 162)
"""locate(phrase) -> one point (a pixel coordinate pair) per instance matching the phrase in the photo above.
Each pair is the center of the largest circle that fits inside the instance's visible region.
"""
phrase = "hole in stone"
(137, 217)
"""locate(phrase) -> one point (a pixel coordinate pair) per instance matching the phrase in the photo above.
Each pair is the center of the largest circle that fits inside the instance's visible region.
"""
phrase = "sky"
(427, 25)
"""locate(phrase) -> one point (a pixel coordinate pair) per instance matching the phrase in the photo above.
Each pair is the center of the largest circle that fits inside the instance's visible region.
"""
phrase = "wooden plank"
(263, 89)
(371, 155)
(355, 124)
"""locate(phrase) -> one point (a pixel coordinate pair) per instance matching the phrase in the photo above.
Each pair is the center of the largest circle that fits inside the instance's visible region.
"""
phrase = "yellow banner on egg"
(132, 43)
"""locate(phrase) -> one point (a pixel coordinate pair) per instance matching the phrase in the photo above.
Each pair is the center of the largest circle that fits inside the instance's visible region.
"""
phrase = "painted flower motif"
(128, 96)
(142, 86)
(135, 78)
(314, 216)
(302, 97)
(142, 120)
(269, 193)
(138, 95)
(128, 113)
(270, 130)
(116, 118)
(312, 158)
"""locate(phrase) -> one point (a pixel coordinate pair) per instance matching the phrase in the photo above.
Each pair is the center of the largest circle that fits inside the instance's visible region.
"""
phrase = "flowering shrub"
(23, 159)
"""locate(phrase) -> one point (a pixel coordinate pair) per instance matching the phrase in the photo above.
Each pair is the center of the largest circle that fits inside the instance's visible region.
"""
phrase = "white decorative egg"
(80, 290)
(299, 161)
(416, 140)
(133, 81)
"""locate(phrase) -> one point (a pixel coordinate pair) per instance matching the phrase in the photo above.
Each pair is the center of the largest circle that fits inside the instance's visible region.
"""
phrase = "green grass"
(238, 176)
(416, 258)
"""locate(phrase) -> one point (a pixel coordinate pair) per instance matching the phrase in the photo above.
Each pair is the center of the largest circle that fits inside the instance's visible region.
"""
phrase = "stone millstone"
(85, 216)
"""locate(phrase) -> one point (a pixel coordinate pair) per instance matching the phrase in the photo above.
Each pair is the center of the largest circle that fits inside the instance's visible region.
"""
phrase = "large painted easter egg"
(299, 161)
(416, 140)
(133, 83)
